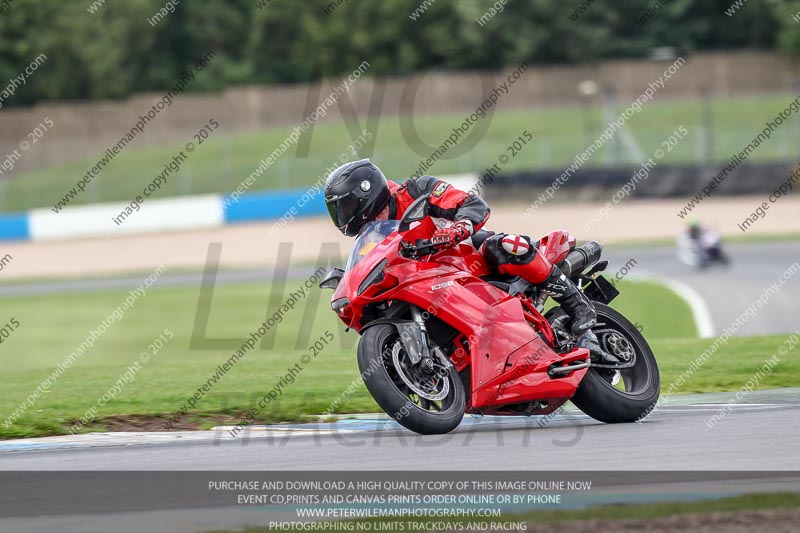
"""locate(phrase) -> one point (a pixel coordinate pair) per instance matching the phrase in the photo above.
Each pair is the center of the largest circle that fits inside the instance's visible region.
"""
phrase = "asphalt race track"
(751, 449)
(729, 291)
(761, 434)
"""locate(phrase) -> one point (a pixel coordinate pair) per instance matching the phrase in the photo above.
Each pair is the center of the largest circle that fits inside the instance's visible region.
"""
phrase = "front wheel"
(429, 402)
(625, 395)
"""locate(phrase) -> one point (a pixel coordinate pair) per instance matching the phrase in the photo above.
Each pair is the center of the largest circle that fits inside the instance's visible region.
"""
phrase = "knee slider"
(505, 249)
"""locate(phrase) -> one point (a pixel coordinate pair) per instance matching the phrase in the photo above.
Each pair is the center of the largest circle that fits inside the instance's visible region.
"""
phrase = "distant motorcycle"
(701, 248)
(443, 335)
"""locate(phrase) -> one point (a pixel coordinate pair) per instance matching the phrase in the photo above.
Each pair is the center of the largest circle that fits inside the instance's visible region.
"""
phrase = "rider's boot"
(517, 256)
(580, 310)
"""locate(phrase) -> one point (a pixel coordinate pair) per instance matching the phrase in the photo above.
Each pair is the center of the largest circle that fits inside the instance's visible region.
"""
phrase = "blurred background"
(271, 63)
(604, 118)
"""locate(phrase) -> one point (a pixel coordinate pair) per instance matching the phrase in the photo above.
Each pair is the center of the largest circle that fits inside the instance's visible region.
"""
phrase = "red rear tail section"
(555, 246)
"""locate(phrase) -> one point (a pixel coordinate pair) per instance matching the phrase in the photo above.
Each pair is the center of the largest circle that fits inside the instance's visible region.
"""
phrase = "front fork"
(427, 363)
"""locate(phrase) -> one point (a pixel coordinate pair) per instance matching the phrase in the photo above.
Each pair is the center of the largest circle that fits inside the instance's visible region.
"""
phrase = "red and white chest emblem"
(516, 245)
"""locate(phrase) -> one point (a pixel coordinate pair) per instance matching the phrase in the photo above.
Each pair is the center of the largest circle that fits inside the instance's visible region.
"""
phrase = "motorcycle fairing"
(508, 359)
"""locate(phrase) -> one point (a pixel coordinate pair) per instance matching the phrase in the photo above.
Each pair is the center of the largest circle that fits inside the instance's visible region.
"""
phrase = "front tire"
(379, 351)
(598, 397)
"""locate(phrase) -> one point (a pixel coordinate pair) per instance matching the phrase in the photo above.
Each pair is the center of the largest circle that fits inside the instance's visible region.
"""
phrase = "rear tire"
(384, 384)
(598, 398)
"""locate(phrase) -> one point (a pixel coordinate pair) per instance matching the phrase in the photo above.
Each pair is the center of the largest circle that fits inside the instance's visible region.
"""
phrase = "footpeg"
(560, 371)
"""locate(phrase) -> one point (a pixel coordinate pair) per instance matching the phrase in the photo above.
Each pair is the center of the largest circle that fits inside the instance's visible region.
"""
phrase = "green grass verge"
(223, 162)
(52, 326)
(656, 510)
(618, 512)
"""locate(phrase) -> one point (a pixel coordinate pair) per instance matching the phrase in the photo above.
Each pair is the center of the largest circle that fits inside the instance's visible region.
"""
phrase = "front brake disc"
(412, 384)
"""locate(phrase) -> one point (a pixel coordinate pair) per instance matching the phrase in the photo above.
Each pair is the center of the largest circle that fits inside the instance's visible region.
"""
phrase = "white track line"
(700, 310)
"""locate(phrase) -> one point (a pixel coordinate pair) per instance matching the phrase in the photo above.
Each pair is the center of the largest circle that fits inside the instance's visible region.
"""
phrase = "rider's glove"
(448, 237)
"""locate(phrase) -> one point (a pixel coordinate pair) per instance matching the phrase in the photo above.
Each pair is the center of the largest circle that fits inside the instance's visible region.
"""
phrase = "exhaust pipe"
(581, 258)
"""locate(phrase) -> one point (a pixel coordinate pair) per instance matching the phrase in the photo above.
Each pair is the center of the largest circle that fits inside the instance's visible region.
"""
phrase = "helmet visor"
(343, 209)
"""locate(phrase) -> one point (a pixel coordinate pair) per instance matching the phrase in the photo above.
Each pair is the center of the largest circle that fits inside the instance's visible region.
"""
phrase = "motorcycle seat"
(480, 237)
(513, 285)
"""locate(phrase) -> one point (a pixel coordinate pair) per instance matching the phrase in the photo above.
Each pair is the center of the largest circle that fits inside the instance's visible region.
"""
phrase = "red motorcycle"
(442, 335)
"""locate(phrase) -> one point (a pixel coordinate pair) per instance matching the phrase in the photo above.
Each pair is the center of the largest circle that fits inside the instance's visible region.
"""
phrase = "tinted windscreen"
(371, 235)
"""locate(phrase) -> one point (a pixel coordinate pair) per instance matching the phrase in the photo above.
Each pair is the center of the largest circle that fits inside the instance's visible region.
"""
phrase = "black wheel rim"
(616, 337)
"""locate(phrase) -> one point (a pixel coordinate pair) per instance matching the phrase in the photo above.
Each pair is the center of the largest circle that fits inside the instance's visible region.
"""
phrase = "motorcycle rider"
(706, 241)
(357, 193)
(694, 230)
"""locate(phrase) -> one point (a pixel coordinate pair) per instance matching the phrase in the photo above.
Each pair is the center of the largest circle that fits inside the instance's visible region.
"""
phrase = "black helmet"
(355, 193)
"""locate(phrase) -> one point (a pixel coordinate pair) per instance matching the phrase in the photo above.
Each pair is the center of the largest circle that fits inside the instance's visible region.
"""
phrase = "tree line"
(100, 49)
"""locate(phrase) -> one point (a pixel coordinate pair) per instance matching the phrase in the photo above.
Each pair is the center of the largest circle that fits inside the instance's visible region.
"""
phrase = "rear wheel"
(429, 402)
(625, 395)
